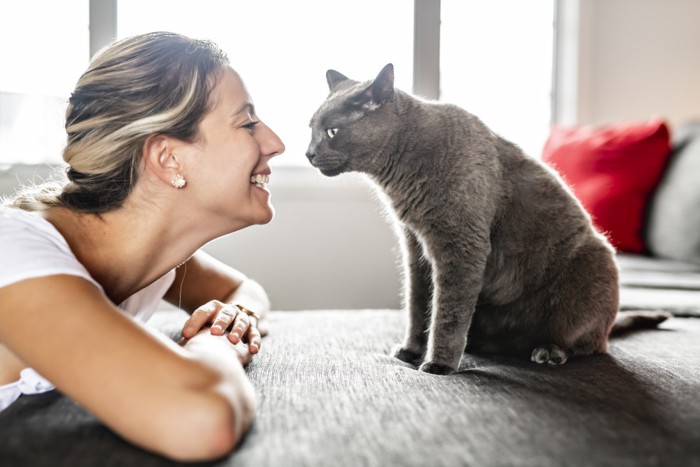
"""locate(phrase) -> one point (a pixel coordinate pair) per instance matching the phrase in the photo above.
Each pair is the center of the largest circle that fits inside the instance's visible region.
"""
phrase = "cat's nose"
(310, 156)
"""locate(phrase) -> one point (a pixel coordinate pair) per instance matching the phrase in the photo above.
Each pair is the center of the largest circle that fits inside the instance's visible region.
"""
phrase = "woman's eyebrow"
(246, 106)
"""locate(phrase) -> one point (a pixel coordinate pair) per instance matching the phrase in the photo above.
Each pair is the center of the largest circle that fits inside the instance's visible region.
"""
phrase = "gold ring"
(247, 311)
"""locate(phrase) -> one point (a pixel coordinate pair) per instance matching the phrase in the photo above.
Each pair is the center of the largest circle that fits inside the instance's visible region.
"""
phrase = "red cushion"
(613, 170)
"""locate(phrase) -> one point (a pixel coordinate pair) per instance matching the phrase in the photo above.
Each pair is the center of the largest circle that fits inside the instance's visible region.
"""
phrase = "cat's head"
(353, 124)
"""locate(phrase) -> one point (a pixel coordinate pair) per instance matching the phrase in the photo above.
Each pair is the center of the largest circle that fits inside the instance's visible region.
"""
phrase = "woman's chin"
(266, 216)
(261, 216)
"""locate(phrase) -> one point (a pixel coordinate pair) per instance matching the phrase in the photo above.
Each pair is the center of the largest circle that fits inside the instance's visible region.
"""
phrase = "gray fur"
(499, 256)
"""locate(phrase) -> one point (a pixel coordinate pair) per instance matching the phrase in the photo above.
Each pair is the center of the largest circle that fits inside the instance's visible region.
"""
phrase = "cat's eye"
(331, 132)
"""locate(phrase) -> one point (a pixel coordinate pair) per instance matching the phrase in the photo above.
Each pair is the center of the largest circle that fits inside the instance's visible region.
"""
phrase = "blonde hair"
(156, 83)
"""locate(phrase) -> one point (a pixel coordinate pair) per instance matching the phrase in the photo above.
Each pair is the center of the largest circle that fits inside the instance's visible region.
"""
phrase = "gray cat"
(498, 254)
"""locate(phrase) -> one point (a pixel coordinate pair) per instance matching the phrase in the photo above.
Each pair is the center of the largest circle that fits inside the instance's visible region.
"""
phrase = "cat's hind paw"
(406, 355)
(551, 354)
(436, 368)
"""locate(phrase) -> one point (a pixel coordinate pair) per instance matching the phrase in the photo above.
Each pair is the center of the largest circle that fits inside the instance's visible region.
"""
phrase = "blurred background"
(520, 65)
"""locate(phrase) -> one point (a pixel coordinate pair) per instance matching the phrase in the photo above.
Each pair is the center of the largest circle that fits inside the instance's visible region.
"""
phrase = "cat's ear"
(383, 85)
(380, 91)
(334, 78)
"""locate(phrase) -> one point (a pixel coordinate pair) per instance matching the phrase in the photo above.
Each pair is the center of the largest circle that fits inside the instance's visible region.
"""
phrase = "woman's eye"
(250, 126)
(331, 132)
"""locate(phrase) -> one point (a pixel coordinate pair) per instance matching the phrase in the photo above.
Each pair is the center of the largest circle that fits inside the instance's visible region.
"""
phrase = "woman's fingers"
(223, 319)
(240, 326)
(199, 318)
(254, 339)
(223, 316)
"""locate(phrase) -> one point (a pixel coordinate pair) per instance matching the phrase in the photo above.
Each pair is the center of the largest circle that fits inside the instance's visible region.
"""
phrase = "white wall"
(630, 59)
(328, 246)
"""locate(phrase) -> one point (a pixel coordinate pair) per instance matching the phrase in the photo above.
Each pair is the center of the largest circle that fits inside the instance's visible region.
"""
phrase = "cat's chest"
(414, 208)
(418, 196)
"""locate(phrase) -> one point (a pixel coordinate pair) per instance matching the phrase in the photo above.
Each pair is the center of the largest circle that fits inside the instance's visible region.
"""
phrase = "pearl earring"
(179, 181)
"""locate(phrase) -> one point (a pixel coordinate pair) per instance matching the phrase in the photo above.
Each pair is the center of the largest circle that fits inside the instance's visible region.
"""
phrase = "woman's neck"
(124, 250)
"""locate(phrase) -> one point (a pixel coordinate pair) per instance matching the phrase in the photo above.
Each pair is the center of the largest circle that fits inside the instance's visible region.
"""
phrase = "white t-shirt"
(31, 247)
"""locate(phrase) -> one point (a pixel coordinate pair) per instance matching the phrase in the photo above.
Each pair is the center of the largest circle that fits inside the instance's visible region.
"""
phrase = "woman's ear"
(159, 159)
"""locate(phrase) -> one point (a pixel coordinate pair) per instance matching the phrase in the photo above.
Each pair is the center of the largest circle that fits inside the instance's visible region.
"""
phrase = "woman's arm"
(206, 287)
(191, 403)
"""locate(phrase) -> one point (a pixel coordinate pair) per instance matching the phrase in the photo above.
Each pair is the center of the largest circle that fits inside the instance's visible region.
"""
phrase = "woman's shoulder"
(31, 247)
(22, 229)
(16, 220)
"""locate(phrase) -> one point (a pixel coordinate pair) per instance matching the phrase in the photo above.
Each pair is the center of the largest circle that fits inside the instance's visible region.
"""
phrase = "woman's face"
(232, 157)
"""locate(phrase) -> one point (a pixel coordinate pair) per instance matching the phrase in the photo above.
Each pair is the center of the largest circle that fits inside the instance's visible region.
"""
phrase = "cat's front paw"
(406, 355)
(436, 368)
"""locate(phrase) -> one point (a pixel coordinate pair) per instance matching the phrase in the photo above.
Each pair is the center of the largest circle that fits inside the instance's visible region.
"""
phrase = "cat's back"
(532, 187)
(446, 142)
(467, 168)
(538, 210)
(447, 155)
(441, 122)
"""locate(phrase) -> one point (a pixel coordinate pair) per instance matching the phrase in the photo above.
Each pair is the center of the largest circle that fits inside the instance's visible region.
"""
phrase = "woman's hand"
(223, 317)
(205, 340)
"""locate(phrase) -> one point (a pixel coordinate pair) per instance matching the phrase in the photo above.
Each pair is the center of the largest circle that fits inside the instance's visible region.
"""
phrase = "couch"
(329, 394)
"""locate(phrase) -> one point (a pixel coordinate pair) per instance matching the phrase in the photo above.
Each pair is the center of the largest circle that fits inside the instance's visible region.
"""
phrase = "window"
(496, 62)
(495, 59)
(42, 56)
(283, 48)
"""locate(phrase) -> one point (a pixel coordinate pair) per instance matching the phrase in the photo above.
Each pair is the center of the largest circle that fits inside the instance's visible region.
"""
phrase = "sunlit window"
(283, 48)
(496, 62)
(495, 59)
(44, 47)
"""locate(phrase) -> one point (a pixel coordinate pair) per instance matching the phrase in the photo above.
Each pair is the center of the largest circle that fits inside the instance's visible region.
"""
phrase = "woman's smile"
(260, 180)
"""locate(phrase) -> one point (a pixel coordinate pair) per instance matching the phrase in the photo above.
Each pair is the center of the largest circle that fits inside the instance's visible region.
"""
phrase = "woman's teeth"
(260, 180)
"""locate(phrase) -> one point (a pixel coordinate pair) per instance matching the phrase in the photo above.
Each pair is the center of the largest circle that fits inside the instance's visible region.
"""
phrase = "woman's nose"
(271, 145)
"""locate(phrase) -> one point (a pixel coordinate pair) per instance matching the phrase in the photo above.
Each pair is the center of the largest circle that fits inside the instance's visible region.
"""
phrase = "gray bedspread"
(329, 395)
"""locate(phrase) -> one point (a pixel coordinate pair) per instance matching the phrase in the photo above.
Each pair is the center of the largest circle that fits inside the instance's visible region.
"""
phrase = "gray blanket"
(329, 395)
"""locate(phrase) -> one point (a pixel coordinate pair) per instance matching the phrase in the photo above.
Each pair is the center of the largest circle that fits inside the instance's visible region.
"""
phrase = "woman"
(164, 154)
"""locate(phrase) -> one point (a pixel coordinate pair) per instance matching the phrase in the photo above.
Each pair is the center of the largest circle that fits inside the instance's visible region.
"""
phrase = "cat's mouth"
(328, 166)
(331, 171)
(260, 180)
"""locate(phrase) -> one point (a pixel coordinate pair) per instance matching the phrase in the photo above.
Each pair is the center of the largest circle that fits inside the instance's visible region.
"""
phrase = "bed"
(329, 394)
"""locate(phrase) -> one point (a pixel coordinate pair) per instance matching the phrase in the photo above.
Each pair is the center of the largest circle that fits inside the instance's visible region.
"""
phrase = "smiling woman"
(164, 154)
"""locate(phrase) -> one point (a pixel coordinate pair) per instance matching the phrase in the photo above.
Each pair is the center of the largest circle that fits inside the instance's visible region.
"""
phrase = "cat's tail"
(629, 320)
